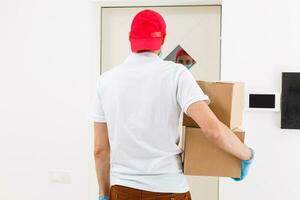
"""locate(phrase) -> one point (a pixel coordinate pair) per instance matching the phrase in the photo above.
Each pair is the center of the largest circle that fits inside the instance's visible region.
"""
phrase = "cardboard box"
(226, 101)
(203, 158)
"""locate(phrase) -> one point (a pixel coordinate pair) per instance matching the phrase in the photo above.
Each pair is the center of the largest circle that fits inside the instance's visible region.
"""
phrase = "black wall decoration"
(261, 100)
(290, 101)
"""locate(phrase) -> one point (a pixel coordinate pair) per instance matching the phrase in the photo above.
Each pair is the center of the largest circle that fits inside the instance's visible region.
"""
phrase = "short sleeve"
(188, 91)
(97, 112)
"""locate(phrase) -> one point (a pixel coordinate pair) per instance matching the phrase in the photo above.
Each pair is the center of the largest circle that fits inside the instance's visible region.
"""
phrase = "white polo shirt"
(141, 101)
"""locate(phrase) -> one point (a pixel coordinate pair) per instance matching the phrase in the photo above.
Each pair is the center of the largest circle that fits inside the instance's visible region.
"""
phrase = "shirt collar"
(146, 56)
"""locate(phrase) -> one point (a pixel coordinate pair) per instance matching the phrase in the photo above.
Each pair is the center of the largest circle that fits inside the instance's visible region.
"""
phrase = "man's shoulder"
(109, 73)
(175, 66)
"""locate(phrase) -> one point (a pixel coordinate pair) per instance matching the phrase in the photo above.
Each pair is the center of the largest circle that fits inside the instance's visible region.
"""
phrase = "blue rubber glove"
(101, 197)
(245, 167)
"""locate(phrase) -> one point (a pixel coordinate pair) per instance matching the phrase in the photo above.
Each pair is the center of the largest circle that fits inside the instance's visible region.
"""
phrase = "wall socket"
(59, 177)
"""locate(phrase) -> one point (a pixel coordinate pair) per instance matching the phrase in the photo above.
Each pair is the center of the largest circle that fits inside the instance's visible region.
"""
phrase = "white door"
(196, 29)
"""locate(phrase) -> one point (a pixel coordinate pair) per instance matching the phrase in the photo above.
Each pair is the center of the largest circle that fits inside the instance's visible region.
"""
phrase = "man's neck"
(156, 52)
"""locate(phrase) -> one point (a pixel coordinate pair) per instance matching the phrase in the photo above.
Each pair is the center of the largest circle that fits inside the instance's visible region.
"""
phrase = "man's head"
(148, 31)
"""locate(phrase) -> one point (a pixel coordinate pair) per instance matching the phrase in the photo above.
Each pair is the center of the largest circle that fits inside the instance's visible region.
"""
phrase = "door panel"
(196, 29)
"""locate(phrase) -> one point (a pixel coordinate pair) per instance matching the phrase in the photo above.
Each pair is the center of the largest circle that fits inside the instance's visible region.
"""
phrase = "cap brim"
(146, 44)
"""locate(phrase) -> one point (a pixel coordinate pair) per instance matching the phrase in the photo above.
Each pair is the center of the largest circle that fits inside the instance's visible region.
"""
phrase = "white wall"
(261, 40)
(49, 55)
(49, 52)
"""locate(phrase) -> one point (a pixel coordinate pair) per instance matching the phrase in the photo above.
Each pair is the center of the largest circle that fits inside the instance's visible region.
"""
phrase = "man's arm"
(102, 157)
(216, 131)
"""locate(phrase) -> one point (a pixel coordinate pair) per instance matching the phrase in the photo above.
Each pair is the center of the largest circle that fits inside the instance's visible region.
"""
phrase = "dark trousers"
(119, 192)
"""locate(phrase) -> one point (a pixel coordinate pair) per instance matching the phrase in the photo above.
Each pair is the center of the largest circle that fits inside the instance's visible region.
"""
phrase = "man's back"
(141, 101)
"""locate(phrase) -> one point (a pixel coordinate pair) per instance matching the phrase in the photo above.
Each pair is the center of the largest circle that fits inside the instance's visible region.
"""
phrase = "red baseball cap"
(148, 29)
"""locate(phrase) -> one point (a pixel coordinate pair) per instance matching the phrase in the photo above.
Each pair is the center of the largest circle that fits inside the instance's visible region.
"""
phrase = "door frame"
(100, 4)
(147, 3)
